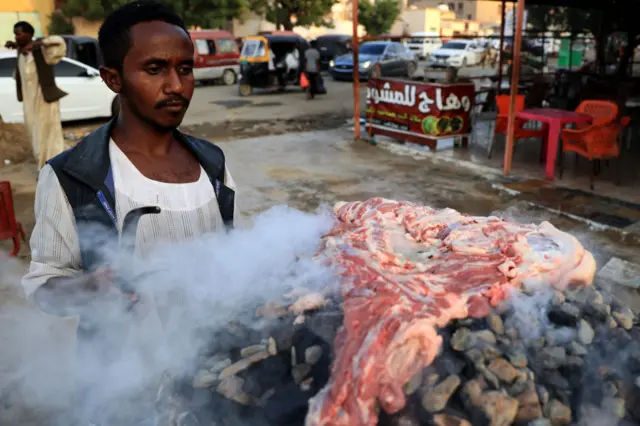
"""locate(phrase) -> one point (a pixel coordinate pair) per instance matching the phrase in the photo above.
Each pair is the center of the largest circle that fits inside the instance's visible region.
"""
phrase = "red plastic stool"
(9, 226)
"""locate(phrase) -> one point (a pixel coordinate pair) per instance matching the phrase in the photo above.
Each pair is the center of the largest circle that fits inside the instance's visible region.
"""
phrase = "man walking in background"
(312, 69)
(36, 89)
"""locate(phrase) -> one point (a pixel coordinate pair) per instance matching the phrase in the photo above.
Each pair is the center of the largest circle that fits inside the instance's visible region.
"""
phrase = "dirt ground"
(302, 170)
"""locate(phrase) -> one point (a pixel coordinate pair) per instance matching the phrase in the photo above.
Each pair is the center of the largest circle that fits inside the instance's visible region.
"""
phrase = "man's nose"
(174, 82)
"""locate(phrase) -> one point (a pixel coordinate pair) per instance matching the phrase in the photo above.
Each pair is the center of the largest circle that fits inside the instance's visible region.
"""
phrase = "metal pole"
(501, 48)
(515, 73)
(356, 72)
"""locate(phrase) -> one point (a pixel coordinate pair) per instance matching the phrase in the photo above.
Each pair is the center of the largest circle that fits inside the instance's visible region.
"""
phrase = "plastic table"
(557, 119)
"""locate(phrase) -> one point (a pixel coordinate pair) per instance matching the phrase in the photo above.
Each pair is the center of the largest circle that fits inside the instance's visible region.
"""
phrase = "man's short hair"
(25, 27)
(313, 43)
(114, 35)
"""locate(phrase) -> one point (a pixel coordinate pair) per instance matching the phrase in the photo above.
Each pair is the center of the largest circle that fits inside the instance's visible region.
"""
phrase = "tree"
(288, 13)
(378, 17)
(200, 13)
(600, 24)
(59, 24)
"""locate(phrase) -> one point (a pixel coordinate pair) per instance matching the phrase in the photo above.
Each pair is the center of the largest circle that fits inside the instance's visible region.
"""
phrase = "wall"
(36, 12)
(86, 28)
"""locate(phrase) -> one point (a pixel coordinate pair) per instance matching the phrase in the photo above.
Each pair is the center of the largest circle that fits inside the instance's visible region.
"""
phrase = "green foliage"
(202, 13)
(378, 17)
(60, 25)
(289, 13)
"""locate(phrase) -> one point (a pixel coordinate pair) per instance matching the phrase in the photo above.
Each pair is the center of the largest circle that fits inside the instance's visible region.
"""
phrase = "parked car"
(331, 46)
(457, 53)
(394, 58)
(423, 44)
(217, 57)
(88, 96)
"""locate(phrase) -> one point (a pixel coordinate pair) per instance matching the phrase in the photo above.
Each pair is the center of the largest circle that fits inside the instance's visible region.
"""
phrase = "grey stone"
(624, 317)
(529, 407)
(558, 297)
(272, 346)
(413, 385)
(251, 350)
(447, 420)
(539, 422)
(435, 399)
(503, 370)
(490, 352)
(585, 333)
(491, 378)
(500, 409)
(553, 357)
(243, 364)
(495, 323)
(519, 387)
(565, 314)
(611, 322)
(615, 406)
(475, 355)
(220, 365)
(517, 358)
(621, 272)
(556, 380)
(543, 394)
(558, 413)
(299, 372)
(577, 349)
(462, 340)
(486, 336)
(204, 379)
(573, 361)
(231, 388)
(312, 354)
(431, 379)
(512, 333)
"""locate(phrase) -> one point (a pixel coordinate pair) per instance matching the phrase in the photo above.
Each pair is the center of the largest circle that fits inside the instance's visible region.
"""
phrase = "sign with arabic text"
(419, 112)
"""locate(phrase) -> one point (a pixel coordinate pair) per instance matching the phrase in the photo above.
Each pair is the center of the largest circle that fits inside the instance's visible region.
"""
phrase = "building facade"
(483, 12)
(36, 12)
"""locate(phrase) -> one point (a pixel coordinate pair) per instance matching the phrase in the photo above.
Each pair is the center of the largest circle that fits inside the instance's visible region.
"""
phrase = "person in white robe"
(40, 100)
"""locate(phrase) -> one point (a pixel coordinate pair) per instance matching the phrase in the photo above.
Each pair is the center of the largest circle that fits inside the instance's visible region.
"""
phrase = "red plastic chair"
(521, 132)
(10, 228)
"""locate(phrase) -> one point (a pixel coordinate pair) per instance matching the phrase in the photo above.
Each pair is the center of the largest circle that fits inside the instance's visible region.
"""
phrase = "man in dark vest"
(137, 160)
(36, 89)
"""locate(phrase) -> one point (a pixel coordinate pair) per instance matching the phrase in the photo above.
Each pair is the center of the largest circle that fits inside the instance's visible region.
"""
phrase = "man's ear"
(112, 79)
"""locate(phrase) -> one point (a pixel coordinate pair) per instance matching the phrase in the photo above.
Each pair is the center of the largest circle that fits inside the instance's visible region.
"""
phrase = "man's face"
(157, 74)
(22, 38)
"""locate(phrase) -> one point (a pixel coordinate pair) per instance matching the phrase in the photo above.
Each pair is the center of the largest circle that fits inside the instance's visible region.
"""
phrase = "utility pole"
(356, 71)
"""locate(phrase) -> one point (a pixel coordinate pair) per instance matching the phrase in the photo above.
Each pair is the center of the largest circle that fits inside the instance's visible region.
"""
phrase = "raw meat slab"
(407, 271)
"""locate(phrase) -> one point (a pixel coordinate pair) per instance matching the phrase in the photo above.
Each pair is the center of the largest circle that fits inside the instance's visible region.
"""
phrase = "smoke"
(187, 291)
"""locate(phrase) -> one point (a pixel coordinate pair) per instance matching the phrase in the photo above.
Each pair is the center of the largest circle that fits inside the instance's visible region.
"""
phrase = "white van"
(423, 44)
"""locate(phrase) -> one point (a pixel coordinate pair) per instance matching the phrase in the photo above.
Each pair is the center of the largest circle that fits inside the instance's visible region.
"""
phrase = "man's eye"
(186, 69)
(154, 69)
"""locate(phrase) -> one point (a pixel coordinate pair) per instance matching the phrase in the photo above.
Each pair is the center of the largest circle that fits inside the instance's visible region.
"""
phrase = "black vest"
(46, 78)
(84, 173)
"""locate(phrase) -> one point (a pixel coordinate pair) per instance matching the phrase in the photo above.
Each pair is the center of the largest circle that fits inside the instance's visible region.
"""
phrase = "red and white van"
(216, 56)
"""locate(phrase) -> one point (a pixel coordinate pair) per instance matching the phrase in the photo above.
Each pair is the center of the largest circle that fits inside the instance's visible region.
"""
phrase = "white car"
(88, 96)
(423, 44)
(457, 54)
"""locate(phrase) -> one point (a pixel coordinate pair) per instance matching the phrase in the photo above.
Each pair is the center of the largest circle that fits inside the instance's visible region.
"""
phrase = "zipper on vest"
(107, 208)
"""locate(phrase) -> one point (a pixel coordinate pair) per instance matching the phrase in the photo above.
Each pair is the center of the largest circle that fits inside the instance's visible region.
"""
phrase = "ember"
(432, 337)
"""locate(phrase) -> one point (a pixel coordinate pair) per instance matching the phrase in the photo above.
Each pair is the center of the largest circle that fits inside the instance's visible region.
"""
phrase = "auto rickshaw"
(263, 61)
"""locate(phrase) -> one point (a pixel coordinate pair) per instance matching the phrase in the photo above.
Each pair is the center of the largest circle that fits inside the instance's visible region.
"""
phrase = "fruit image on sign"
(429, 125)
(443, 125)
(457, 124)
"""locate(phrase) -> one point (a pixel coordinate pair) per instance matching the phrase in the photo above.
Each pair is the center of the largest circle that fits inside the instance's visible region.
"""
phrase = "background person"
(312, 68)
(36, 89)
